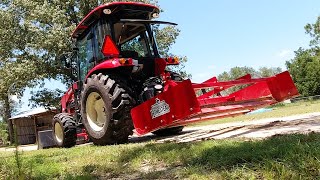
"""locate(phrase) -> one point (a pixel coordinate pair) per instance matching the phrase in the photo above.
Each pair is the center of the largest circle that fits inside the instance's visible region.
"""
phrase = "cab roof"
(126, 10)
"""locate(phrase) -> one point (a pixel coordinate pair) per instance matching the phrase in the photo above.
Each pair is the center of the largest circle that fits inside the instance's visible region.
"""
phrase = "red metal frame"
(68, 98)
(108, 64)
(83, 135)
(186, 108)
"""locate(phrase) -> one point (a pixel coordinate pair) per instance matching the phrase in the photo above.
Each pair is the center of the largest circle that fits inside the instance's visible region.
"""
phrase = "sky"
(217, 35)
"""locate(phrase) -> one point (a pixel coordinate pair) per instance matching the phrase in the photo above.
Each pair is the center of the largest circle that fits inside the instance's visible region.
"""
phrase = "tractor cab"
(118, 35)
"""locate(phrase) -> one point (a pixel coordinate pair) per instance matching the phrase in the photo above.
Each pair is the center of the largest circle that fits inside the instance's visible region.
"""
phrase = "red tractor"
(122, 84)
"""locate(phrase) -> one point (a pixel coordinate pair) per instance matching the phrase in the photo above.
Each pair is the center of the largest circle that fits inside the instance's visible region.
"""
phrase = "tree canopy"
(304, 69)
(305, 66)
(237, 72)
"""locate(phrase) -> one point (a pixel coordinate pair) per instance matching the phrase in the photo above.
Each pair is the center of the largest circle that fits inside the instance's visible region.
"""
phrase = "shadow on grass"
(281, 156)
(147, 138)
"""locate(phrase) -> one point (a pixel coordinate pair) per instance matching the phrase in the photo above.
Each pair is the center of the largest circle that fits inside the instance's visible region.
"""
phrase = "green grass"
(280, 110)
(279, 157)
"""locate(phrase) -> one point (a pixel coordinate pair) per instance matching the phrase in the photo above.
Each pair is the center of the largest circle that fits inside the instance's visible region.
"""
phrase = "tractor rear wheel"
(64, 130)
(105, 109)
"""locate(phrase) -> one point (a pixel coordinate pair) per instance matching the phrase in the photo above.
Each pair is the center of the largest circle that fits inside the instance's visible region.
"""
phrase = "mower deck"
(179, 105)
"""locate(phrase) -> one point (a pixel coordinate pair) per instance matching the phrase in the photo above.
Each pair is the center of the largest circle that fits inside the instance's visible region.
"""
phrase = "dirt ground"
(257, 129)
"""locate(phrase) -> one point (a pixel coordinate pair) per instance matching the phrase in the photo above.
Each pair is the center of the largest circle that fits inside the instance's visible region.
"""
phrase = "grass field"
(279, 157)
(294, 156)
(280, 110)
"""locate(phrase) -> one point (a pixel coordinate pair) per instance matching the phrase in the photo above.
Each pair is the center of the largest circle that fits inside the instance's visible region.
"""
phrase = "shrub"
(3, 134)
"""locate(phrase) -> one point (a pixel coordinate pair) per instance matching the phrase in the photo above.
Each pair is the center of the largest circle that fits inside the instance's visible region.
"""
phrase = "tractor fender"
(109, 64)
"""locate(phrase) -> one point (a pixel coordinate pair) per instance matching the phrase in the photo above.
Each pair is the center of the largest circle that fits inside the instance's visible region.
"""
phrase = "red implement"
(179, 105)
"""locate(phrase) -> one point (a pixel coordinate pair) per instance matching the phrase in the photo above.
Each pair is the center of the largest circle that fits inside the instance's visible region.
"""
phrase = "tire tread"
(69, 129)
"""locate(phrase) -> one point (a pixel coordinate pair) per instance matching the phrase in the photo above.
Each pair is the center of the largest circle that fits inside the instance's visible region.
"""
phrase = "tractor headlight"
(107, 11)
(155, 15)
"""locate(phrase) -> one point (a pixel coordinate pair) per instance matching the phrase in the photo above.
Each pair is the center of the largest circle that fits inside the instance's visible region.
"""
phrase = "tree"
(314, 31)
(3, 125)
(304, 67)
(237, 72)
(15, 61)
(46, 98)
(3, 133)
(267, 72)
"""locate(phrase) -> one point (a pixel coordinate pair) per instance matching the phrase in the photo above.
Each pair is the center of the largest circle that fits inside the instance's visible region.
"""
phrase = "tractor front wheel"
(105, 110)
(64, 130)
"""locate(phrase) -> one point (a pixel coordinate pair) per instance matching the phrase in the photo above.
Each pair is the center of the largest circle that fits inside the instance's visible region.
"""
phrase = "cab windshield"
(134, 40)
(135, 37)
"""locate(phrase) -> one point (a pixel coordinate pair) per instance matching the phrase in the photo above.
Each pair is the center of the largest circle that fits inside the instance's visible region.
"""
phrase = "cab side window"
(85, 55)
(100, 31)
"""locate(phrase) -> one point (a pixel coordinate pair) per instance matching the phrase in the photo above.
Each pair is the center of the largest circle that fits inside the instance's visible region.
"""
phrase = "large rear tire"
(64, 130)
(105, 109)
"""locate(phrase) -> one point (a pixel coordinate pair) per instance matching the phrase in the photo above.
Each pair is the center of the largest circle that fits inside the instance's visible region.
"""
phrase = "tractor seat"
(129, 54)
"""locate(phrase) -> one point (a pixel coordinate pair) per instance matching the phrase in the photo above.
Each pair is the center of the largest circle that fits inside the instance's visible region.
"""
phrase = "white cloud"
(285, 54)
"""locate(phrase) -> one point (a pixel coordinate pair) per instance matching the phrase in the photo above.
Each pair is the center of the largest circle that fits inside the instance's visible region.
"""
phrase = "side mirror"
(65, 60)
